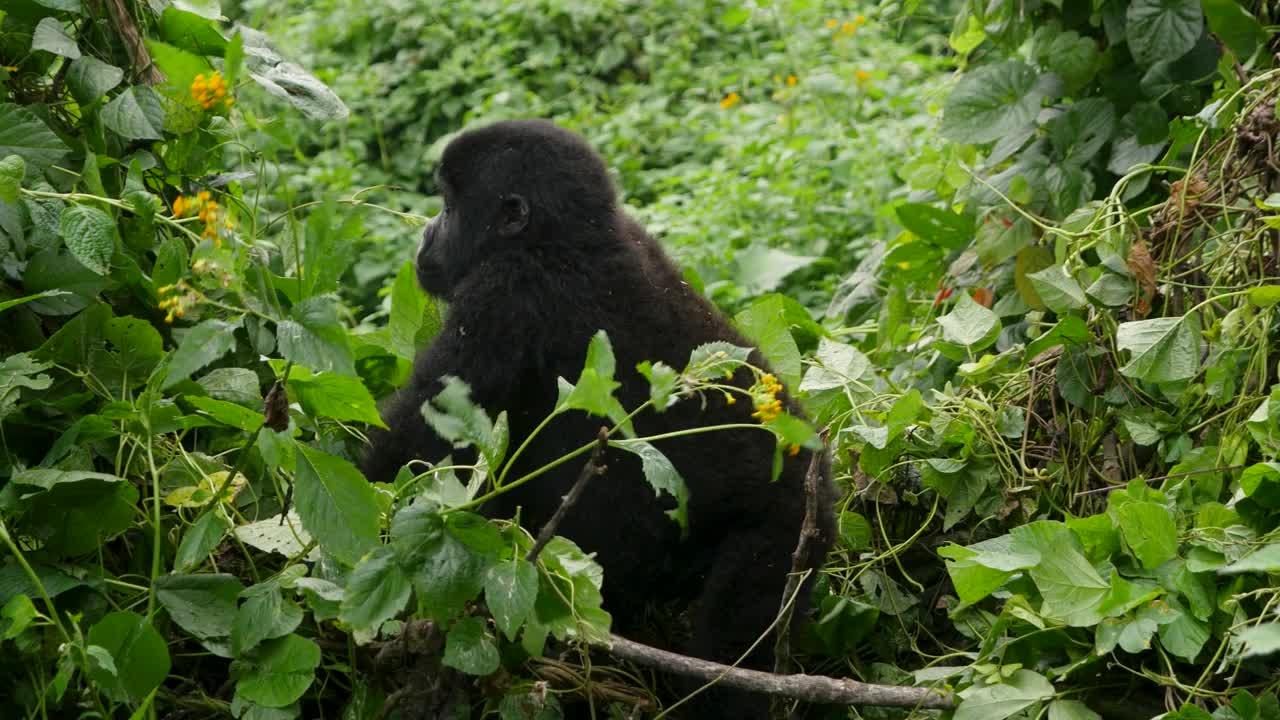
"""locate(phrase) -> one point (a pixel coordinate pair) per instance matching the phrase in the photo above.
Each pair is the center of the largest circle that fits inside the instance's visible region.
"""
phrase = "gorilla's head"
(507, 187)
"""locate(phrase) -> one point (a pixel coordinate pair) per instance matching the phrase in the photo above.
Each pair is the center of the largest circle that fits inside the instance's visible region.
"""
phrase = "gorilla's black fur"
(534, 255)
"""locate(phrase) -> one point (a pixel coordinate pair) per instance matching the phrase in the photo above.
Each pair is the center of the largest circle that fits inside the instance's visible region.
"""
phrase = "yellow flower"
(791, 81)
(729, 399)
(832, 23)
(794, 450)
(179, 206)
(207, 91)
(848, 28)
(730, 100)
(860, 20)
(862, 76)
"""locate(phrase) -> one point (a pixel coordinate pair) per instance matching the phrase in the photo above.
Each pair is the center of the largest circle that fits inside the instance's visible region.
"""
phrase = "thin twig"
(809, 688)
(801, 563)
(595, 466)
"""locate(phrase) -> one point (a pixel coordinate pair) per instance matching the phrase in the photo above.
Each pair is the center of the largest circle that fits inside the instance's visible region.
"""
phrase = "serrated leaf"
(340, 397)
(89, 78)
(469, 649)
(12, 170)
(992, 102)
(228, 414)
(663, 477)
(50, 36)
(203, 344)
(663, 380)
(1162, 30)
(510, 589)
(1163, 349)
(336, 504)
(199, 540)
(377, 590)
(314, 337)
(90, 235)
(135, 114)
(765, 323)
(446, 574)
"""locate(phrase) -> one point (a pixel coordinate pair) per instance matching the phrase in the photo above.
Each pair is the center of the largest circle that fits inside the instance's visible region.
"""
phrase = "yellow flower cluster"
(209, 91)
(848, 27)
(730, 100)
(768, 406)
(862, 76)
(208, 211)
(175, 299)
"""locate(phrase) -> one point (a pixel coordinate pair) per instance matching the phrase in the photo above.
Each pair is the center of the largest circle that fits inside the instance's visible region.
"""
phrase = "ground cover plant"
(1018, 259)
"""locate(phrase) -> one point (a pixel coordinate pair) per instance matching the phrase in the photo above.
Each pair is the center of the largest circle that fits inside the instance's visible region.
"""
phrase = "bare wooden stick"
(809, 688)
(801, 564)
(139, 56)
(595, 466)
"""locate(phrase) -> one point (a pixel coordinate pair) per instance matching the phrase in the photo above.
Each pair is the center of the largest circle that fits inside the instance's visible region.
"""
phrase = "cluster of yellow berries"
(768, 406)
(848, 27)
(209, 91)
(208, 211)
(175, 299)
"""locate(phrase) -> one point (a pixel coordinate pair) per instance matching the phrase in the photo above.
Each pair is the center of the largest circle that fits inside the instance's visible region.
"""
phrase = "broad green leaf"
(414, 317)
(1070, 330)
(290, 82)
(16, 616)
(228, 413)
(266, 614)
(377, 590)
(1080, 132)
(90, 235)
(663, 380)
(283, 535)
(455, 418)
(1071, 710)
(139, 655)
(1265, 296)
(1260, 640)
(51, 37)
(1126, 595)
(1162, 30)
(469, 649)
(855, 531)
(12, 170)
(1184, 635)
(340, 397)
(23, 133)
(232, 384)
(135, 114)
(1261, 483)
(765, 322)
(1265, 559)
(594, 390)
(1111, 290)
(997, 702)
(762, 268)
(992, 102)
(445, 572)
(510, 589)
(734, 17)
(1071, 57)
(662, 476)
(191, 32)
(943, 228)
(970, 325)
(1149, 531)
(201, 345)
(280, 672)
(336, 504)
(1163, 349)
(1237, 27)
(1059, 291)
(199, 540)
(203, 605)
(89, 78)
(314, 337)
(71, 6)
(836, 365)
(1072, 590)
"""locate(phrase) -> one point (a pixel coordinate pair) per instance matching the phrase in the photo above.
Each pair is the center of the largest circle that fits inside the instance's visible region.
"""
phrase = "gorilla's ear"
(513, 215)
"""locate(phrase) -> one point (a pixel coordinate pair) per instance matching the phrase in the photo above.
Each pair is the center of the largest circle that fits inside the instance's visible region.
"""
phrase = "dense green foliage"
(1031, 306)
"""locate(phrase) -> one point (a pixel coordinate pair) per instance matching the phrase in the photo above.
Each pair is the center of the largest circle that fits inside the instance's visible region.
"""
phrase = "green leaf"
(16, 616)
(12, 170)
(992, 102)
(1111, 290)
(1265, 296)
(340, 397)
(314, 337)
(454, 417)
(24, 134)
(765, 323)
(1149, 530)
(203, 344)
(139, 655)
(1059, 291)
(855, 531)
(336, 504)
(1070, 330)
(89, 79)
(663, 380)
(280, 672)
(1183, 635)
(469, 649)
(1260, 640)
(712, 360)
(1238, 28)
(1265, 559)
(1072, 590)
(1071, 710)
(662, 476)
(1164, 349)
(228, 413)
(71, 6)
(51, 37)
(595, 387)
(836, 365)
(135, 114)
(762, 269)
(997, 702)
(264, 615)
(1162, 30)
(414, 318)
(943, 228)
(510, 589)
(1071, 57)
(191, 32)
(970, 325)
(377, 590)
(203, 605)
(734, 17)
(445, 572)
(1080, 132)
(200, 540)
(90, 235)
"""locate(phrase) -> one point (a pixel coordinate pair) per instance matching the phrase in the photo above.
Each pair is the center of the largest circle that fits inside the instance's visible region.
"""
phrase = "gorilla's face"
(474, 221)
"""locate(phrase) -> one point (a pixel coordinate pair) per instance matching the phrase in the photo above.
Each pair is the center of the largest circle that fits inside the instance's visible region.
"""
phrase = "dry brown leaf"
(1143, 267)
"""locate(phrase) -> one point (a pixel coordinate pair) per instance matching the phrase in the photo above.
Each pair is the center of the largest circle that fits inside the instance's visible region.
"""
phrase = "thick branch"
(809, 688)
(595, 466)
(801, 564)
(139, 56)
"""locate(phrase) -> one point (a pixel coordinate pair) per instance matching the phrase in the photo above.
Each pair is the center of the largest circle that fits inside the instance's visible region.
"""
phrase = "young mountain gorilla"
(534, 255)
